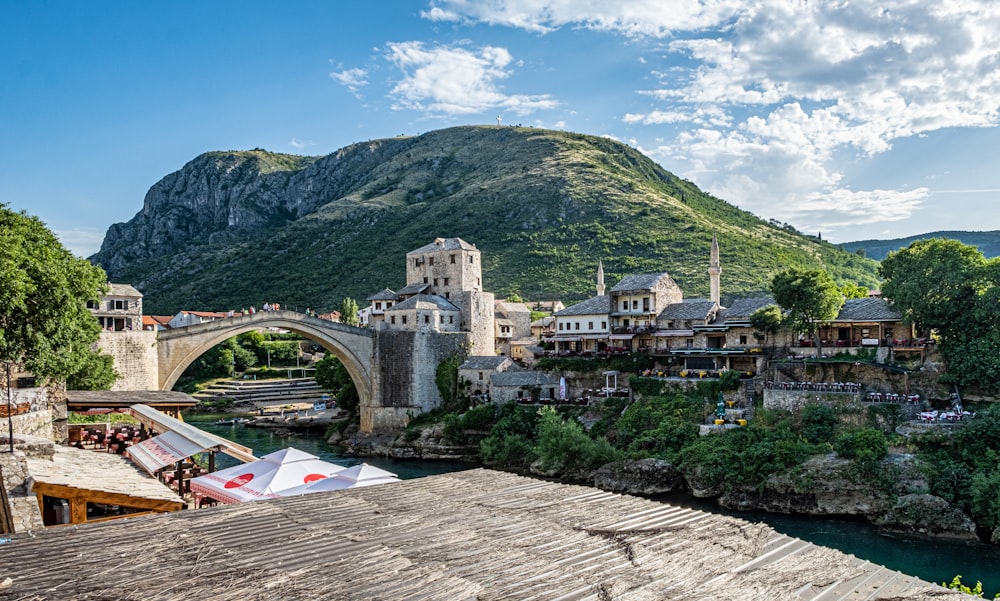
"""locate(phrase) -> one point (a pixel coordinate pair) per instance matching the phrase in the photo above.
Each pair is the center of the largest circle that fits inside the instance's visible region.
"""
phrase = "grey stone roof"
(523, 378)
(595, 305)
(122, 290)
(867, 309)
(509, 307)
(440, 244)
(543, 322)
(692, 309)
(642, 281)
(425, 301)
(743, 308)
(413, 289)
(485, 362)
(385, 294)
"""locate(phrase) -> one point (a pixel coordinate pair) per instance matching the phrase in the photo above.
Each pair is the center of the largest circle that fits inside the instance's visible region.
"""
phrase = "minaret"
(714, 270)
(600, 278)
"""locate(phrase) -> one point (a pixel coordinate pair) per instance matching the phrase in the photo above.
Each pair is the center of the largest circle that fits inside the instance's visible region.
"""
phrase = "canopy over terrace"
(166, 401)
(160, 422)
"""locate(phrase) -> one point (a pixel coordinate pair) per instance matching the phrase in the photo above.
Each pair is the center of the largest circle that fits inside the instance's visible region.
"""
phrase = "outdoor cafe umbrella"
(264, 478)
(352, 477)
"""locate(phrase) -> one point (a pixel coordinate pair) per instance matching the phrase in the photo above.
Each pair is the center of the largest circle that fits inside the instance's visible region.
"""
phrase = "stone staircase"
(263, 393)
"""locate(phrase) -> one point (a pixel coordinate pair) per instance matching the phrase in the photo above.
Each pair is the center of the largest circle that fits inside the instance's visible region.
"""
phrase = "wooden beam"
(106, 498)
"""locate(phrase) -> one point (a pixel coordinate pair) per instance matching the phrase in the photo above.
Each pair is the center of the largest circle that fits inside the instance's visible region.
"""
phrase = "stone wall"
(23, 503)
(405, 366)
(135, 358)
(478, 319)
(37, 423)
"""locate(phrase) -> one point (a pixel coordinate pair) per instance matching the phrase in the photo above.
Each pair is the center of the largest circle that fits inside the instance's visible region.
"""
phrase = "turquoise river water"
(930, 559)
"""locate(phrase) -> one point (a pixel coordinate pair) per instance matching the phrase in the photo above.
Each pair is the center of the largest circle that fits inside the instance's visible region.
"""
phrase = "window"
(480, 375)
(578, 325)
(431, 261)
(604, 325)
(427, 318)
(378, 306)
(624, 305)
(446, 281)
(392, 320)
(117, 305)
(635, 304)
(93, 304)
(689, 342)
(435, 281)
(560, 326)
(743, 338)
(447, 295)
(451, 319)
(590, 325)
(452, 258)
(645, 304)
(470, 259)
(425, 279)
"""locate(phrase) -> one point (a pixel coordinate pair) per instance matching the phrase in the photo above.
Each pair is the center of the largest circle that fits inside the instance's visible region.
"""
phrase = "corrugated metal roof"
(477, 534)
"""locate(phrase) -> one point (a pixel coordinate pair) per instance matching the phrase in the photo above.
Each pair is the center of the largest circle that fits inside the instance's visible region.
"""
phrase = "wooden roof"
(477, 534)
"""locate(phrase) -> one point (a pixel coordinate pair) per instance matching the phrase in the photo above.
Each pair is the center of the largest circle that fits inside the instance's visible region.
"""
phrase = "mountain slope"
(232, 229)
(987, 242)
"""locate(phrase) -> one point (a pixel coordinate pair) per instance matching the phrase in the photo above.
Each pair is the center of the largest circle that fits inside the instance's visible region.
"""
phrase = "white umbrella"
(352, 477)
(264, 478)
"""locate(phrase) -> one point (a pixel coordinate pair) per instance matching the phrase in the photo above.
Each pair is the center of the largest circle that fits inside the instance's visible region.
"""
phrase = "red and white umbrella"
(352, 477)
(264, 478)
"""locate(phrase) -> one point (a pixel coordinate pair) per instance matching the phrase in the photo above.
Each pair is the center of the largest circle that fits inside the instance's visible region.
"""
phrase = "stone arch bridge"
(393, 370)
(178, 348)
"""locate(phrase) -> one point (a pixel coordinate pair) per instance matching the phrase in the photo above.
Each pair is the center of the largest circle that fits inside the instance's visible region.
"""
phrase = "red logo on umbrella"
(313, 478)
(239, 481)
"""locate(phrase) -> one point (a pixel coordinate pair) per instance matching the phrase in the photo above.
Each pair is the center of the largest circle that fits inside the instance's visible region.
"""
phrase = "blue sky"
(854, 120)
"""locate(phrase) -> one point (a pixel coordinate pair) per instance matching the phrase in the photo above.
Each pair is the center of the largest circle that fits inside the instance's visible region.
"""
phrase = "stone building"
(636, 301)
(125, 337)
(423, 313)
(449, 269)
(118, 310)
(513, 326)
(475, 372)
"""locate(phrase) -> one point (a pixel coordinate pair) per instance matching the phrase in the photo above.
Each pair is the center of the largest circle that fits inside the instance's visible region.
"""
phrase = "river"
(933, 560)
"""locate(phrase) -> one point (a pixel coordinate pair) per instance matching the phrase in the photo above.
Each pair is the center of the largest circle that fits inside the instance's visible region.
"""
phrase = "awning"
(158, 452)
(622, 336)
(562, 339)
(162, 422)
(595, 336)
(675, 332)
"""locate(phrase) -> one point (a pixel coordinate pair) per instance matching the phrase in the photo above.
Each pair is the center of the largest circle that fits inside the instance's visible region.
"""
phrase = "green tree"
(852, 290)
(333, 376)
(767, 320)
(44, 290)
(950, 288)
(349, 312)
(936, 283)
(810, 296)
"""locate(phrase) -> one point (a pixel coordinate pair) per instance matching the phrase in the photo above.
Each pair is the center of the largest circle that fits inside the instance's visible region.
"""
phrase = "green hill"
(987, 242)
(232, 229)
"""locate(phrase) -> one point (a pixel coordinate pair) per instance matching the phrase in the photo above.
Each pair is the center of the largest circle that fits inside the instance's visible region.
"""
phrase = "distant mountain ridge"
(231, 229)
(987, 242)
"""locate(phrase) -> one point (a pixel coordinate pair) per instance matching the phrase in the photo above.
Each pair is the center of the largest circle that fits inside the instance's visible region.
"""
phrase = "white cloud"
(455, 80)
(352, 79)
(299, 144)
(82, 242)
(766, 104)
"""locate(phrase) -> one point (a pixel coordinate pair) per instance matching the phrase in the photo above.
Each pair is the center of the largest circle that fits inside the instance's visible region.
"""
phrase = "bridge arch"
(178, 348)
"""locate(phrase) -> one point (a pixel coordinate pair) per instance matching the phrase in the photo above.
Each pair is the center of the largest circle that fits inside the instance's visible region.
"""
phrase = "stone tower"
(714, 271)
(600, 278)
(452, 268)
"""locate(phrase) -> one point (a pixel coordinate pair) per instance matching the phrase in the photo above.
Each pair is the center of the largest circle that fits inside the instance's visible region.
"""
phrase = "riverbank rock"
(425, 443)
(927, 514)
(641, 477)
(825, 485)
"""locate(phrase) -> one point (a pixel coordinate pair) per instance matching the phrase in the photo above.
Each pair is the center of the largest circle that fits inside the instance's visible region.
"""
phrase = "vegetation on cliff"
(237, 228)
